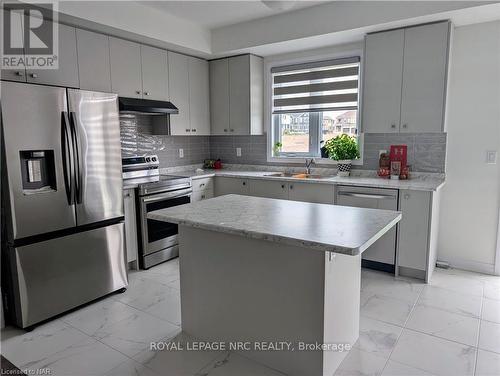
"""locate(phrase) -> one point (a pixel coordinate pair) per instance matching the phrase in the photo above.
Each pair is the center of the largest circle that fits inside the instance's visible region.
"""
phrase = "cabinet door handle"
(146, 93)
(393, 126)
(188, 130)
(244, 183)
(232, 130)
(202, 184)
(19, 74)
(138, 92)
(225, 130)
(291, 186)
(282, 186)
(34, 75)
(405, 126)
(127, 194)
(193, 130)
(202, 197)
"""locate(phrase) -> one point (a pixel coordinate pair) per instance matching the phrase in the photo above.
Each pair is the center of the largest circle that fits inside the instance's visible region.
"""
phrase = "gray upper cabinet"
(18, 74)
(383, 70)
(67, 72)
(178, 73)
(154, 73)
(237, 89)
(199, 108)
(239, 94)
(125, 58)
(405, 78)
(219, 96)
(424, 78)
(93, 61)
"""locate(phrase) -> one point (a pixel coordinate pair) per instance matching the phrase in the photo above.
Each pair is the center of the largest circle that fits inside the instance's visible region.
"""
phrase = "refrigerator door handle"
(78, 161)
(67, 157)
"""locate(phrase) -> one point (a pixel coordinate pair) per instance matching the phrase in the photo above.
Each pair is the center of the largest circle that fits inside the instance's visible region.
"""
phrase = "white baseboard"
(471, 266)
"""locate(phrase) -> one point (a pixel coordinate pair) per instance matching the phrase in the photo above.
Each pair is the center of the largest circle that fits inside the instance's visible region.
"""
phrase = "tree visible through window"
(312, 103)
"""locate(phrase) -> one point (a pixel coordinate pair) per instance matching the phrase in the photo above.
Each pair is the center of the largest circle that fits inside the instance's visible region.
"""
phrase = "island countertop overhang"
(330, 228)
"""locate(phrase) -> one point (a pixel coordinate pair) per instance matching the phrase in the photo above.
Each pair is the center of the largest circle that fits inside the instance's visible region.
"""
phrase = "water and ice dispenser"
(38, 171)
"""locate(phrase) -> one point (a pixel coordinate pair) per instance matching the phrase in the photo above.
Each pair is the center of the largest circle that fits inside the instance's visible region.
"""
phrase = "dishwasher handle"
(367, 195)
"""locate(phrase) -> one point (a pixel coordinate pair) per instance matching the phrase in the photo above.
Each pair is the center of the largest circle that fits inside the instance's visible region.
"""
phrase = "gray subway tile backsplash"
(426, 151)
(137, 139)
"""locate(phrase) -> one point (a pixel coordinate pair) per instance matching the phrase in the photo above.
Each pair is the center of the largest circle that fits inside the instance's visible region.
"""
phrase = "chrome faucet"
(309, 163)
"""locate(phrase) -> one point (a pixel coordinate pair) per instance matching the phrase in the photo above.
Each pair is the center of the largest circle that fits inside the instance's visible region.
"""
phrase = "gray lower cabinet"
(269, 188)
(125, 59)
(130, 226)
(274, 188)
(178, 73)
(203, 188)
(405, 79)
(67, 72)
(228, 185)
(414, 232)
(94, 69)
(201, 195)
(311, 192)
(154, 73)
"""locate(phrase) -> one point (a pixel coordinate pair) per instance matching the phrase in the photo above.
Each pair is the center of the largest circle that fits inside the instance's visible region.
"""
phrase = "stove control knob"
(148, 159)
(153, 159)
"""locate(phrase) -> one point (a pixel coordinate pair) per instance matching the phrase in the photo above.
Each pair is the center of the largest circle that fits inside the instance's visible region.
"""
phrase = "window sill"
(302, 160)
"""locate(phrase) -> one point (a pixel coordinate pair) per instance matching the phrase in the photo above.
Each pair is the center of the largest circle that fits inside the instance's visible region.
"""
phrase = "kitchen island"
(257, 271)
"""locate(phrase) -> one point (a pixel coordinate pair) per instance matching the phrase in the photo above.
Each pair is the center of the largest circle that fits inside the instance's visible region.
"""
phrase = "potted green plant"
(277, 148)
(343, 149)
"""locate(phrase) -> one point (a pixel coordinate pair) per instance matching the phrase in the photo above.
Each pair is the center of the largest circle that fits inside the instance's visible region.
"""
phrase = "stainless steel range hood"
(146, 106)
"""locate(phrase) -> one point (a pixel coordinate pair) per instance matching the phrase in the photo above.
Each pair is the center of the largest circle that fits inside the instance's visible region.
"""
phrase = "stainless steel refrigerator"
(62, 204)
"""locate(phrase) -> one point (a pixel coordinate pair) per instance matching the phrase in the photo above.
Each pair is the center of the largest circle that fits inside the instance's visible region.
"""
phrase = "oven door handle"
(166, 195)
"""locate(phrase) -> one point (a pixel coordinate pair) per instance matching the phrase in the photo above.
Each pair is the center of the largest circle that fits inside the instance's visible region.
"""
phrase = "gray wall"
(426, 151)
(137, 139)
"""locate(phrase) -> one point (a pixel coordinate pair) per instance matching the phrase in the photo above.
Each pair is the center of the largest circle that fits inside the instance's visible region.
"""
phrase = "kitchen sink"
(299, 176)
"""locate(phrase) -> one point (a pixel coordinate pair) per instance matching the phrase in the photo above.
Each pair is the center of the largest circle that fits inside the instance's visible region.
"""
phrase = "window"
(312, 103)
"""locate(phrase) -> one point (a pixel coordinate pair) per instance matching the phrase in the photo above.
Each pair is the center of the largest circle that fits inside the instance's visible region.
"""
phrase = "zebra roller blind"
(319, 86)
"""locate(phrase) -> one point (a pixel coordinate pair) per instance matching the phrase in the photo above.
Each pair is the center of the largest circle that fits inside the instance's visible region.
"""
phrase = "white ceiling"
(214, 14)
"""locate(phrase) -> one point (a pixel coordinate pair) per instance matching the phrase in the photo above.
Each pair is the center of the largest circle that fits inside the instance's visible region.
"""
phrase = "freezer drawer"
(382, 254)
(59, 274)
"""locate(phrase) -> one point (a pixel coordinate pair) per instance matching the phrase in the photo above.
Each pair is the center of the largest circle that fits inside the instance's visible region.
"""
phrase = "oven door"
(158, 235)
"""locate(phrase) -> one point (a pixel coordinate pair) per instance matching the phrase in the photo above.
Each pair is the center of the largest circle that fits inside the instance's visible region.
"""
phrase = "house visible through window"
(312, 103)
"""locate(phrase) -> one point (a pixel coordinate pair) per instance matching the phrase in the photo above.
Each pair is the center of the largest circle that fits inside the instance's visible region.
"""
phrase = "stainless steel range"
(158, 240)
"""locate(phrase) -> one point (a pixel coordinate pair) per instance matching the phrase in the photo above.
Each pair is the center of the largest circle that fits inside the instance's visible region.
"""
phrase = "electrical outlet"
(181, 153)
(238, 152)
(491, 157)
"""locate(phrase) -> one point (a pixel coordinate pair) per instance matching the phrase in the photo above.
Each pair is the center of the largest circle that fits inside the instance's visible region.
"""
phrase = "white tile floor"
(451, 328)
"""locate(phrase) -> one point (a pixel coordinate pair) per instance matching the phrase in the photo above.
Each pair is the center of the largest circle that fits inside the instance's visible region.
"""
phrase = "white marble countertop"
(322, 227)
(423, 182)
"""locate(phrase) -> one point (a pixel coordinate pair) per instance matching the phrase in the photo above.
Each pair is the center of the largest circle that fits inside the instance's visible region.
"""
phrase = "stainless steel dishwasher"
(382, 254)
